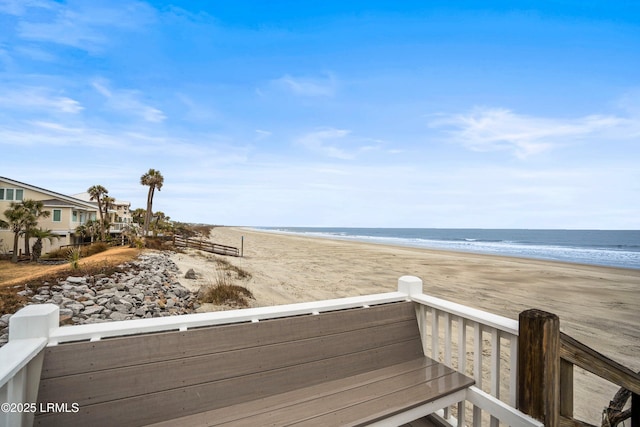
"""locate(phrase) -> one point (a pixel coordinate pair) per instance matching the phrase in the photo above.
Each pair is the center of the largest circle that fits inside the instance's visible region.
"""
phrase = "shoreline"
(461, 253)
(379, 241)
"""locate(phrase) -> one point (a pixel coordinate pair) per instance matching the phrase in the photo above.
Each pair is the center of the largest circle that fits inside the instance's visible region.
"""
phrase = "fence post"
(539, 366)
(410, 285)
(32, 321)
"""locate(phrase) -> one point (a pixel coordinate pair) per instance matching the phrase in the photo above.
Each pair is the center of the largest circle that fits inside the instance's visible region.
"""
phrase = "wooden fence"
(204, 245)
(546, 358)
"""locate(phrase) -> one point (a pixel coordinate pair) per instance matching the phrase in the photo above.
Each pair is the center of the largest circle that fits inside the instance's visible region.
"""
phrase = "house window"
(11, 194)
(74, 216)
(57, 215)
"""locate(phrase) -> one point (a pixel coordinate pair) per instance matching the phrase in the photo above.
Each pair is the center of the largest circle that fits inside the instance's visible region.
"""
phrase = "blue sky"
(507, 114)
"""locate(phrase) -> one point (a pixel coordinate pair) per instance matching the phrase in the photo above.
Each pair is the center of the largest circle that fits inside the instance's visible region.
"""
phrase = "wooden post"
(566, 388)
(539, 366)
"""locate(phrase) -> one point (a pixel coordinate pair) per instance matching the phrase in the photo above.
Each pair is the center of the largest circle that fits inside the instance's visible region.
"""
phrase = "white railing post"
(34, 321)
(410, 285)
(31, 323)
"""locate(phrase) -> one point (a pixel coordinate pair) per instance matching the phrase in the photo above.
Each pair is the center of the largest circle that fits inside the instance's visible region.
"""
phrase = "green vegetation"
(83, 251)
(74, 258)
(154, 180)
(99, 193)
(223, 290)
(226, 266)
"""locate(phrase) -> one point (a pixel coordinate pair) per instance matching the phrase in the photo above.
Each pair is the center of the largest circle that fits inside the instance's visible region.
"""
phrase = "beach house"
(118, 213)
(66, 214)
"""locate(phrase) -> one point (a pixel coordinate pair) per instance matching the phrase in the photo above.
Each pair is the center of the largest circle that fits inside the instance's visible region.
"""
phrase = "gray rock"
(4, 320)
(118, 316)
(120, 308)
(149, 288)
(76, 308)
(96, 309)
(190, 274)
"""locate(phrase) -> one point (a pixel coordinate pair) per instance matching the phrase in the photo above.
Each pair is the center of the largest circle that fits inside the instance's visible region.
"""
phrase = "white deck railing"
(479, 344)
(443, 326)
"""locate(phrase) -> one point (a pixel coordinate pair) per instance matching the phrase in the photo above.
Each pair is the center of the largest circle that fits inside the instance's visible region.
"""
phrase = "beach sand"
(599, 306)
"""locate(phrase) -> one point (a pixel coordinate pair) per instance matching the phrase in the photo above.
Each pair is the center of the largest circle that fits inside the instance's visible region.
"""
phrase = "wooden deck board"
(154, 377)
(308, 366)
(83, 357)
(231, 414)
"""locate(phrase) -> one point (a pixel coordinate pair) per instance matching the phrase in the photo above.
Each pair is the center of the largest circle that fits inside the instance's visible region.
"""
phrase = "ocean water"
(616, 248)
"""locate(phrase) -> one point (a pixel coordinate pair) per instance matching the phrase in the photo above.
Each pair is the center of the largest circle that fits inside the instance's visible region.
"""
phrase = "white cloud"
(127, 101)
(497, 129)
(338, 143)
(19, 7)
(40, 99)
(85, 26)
(323, 141)
(312, 87)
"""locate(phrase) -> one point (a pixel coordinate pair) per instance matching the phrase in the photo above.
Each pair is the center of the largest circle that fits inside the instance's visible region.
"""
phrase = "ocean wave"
(625, 254)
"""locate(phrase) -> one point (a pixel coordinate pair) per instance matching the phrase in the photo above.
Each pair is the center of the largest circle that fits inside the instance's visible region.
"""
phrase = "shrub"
(227, 266)
(94, 248)
(84, 251)
(74, 258)
(224, 292)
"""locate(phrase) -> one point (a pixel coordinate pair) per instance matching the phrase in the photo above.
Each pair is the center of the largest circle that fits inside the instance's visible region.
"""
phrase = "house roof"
(87, 197)
(70, 201)
(64, 204)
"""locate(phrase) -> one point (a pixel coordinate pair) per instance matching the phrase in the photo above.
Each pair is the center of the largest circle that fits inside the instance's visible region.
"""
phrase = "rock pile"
(148, 288)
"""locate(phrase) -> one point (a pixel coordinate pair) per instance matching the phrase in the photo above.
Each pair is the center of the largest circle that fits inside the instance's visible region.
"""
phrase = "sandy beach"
(596, 305)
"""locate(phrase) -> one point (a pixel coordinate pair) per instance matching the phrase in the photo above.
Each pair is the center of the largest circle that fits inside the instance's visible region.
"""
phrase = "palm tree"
(159, 222)
(36, 211)
(40, 234)
(82, 231)
(138, 216)
(96, 192)
(153, 179)
(18, 217)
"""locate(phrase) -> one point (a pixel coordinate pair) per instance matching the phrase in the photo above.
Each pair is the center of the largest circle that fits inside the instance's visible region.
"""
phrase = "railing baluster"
(462, 345)
(422, 326)
(435, 334)
(477, 354)
(447, 351)
(447, 338)
(495, 369)
(513, 369)
(477, 368)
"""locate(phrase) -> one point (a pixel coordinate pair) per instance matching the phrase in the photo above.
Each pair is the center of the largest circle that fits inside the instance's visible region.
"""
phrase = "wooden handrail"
(588, 359)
